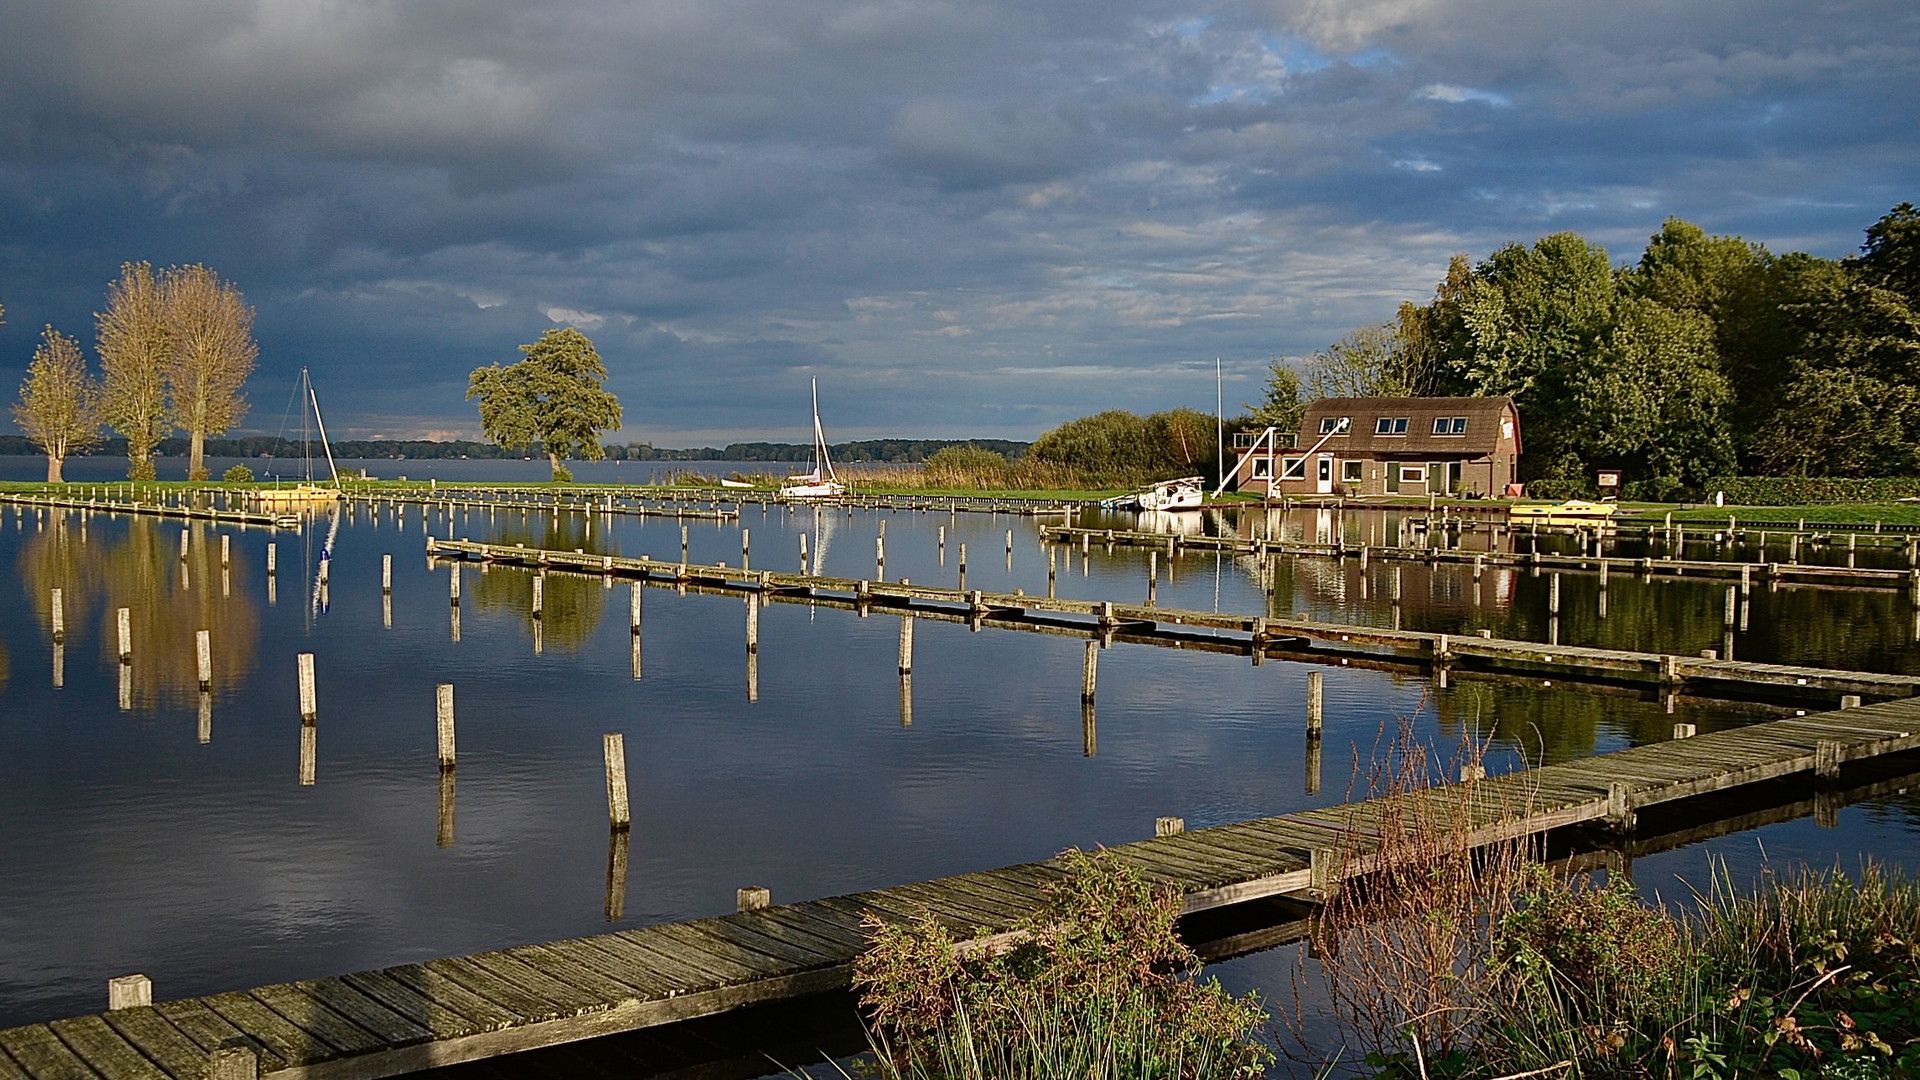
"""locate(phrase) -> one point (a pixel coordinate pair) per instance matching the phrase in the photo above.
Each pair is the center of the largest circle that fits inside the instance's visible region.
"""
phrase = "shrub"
(1097, 987)
(239, 474)
(1813, 490)
(562, 474)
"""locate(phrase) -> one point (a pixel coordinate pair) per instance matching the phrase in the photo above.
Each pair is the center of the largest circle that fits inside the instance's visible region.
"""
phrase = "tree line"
(175, 349)
(1709, 356)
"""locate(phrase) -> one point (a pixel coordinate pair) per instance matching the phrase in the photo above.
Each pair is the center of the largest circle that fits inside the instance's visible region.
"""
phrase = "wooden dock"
(1264, 637)
(413, 1016)
(1771, 573)
(242, 518)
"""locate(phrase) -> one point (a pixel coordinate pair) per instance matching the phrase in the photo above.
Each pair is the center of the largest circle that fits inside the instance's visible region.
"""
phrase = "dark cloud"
(966, 218)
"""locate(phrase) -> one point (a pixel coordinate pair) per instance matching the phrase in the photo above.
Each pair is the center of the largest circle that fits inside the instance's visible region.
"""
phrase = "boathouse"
(1387, 446)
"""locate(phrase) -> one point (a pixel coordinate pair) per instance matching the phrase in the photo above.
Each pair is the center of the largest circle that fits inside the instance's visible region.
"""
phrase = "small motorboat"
(1570, 509)
(729, 483)
(1186, 493)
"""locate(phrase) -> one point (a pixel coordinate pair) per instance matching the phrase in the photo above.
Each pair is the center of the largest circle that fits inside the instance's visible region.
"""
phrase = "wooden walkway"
(243, 518)
(1791, 573)
(1332, 642)
(408, 1017)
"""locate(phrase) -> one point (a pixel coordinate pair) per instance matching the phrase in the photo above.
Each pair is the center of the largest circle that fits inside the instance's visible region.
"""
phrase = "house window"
(1245, 440)
(1332, 424)
(1449, 425)
(1353, 471)
(1293, 468)
(1390, 425)
(1413, 474)
(1262, 468)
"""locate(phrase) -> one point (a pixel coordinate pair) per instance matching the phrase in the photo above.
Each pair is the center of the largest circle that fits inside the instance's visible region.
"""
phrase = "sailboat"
(821, 483)
(305, 495)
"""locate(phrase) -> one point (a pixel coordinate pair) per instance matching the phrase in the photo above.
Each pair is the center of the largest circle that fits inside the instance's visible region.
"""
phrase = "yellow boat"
(295, 499)
(1572, 508)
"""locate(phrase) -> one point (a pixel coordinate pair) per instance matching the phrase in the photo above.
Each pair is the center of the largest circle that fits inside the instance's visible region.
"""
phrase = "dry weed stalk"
(1402, 951)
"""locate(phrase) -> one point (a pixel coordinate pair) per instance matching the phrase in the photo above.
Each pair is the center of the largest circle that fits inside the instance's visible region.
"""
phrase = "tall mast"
(324, 445)
(823, 466)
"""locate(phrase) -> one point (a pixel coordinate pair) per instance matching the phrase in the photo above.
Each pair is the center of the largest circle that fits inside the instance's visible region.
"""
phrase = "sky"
(970, 219)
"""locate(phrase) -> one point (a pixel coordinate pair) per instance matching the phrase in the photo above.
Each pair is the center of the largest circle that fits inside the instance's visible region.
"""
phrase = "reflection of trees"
(141, 571)
(570, 605)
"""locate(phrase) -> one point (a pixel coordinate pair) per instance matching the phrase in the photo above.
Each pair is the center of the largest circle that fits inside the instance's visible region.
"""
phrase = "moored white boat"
(1572, 508)
(821, 483)
(1186, 493)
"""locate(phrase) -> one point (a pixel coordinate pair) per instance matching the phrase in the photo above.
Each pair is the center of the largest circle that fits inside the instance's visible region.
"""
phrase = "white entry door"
(1323, 480)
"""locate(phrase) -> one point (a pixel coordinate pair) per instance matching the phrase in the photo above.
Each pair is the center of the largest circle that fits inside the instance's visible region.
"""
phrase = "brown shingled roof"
(1482, 434)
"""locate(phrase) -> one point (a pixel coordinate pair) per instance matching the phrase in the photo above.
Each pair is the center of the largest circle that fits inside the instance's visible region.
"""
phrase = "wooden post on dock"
(453, 584)
(683, 546)
(1323, 875)
(59, 613)
(1849, 701)
(753, 622)
(746, 549)
(183, 544)
(943, 545)
(803, 553)
(235, 1061)
(129, 992)
(443, 722)
(123, 620)
(1169, 826)
(880, 557)
(309, 706)
(754, 898)
(633, 607)
(1619, 806)
(1553, 594)
(906, 645)
(1732, 607)
(1009, 548)
(1683, 731)
(1826, 760)
(616, 755)
(1089, 671)
(203, 657)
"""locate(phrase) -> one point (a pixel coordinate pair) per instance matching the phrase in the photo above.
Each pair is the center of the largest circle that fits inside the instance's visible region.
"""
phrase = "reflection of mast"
(822, 536)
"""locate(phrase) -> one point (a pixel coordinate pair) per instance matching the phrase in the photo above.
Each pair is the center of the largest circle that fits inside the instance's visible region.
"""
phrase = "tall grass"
(1096, 985)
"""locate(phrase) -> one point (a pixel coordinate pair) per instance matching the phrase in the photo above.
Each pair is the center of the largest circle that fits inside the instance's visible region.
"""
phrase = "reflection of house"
(1387, 446)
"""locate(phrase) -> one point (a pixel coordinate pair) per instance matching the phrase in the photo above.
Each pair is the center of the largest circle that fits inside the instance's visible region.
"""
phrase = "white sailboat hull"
(825, 489)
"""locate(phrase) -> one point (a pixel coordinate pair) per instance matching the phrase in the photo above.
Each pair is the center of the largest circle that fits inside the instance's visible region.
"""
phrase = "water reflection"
(145, 570)
(570, 605)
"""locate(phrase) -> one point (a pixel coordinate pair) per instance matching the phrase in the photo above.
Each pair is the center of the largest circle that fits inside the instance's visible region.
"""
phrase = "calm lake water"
(150, 834)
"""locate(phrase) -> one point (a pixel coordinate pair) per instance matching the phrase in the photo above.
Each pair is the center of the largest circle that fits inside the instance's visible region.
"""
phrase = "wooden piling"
(754, 898)
(184, 534)
(906, 645)
(616, 755)
(203, 657)
(1169, 826)
(1849, 701)
(1683, 731)
(746, 548)
(453, 584)
(633, 607)
(443, 722)
(129, 992)
(753, 622)
(59, 612)
(1553, 594)
(233, 1061)
(1089, 671)
(309, 706)
(1826, 760)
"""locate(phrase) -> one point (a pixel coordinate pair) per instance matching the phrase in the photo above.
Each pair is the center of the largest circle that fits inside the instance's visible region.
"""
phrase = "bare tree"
(135, 351)
(211, 356)
(59, 403)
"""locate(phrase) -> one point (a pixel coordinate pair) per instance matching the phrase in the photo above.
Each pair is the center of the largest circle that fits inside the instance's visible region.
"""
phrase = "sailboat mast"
(324, 445)
(306, 429)
(823, 466)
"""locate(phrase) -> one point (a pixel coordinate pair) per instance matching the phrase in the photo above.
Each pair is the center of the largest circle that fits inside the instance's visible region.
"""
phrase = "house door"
(1437, 477)
(1323, 480)
(1393, 477)
(1454, 469)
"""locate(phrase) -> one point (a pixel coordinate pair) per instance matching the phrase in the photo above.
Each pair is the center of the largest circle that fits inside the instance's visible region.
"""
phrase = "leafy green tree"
(1281, 406)
(59, 405)
(1652, 404)
(553, 397)
(1890, 259)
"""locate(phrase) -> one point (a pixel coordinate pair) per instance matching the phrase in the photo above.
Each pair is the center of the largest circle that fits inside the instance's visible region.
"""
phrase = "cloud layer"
(976, 218)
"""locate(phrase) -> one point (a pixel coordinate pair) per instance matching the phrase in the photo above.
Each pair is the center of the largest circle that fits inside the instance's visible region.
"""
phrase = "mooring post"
(443, 722)
(1669, 669)
(1826, 760)
(753, 622)
(203, 657)
(746, 549)
(633, 607)
(1323, 875)
(1169, 826)
(880, 557)
(683, 546)
(1619, 806)
(1089, 670)
(309, 706)
(539, 581)
(1683, 731)
(906, 645)
(754, 898)
(616, 754)
(129, 992)
(1553, 594)
(453, 584)
(1732, 607)
(123, 620)
(183, 544)
(1849, 701)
